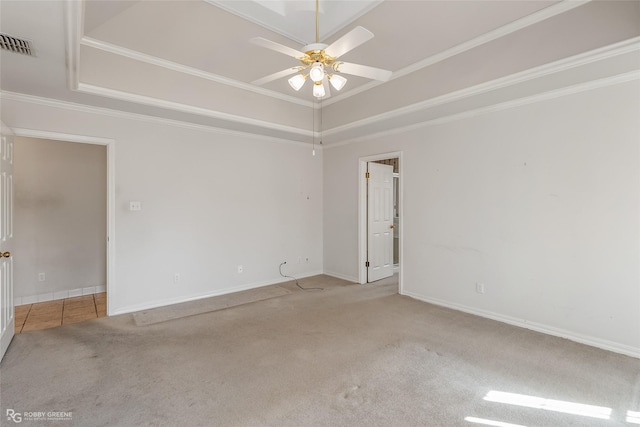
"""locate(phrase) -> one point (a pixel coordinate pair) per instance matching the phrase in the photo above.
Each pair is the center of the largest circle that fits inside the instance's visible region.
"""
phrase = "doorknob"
(392, 226)
(5, 254)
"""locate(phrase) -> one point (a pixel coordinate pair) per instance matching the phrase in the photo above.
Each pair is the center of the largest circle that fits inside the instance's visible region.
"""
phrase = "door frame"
(362, 214)
(111, 188)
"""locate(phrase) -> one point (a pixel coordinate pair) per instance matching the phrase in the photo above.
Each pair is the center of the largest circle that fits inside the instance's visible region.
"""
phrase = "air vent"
(14, 44)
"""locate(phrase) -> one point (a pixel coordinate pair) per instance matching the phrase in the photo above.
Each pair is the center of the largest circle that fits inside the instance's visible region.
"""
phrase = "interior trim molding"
(111, 190)
(30, 133)
(58, 295)
(600, 54)
(341, 276)
(48, 102)
(74, 24)
(75, 37)
(201, 111)
(363, 235)
(534, 326)
(534, 18)
(543, 96)
(216, 293)
(174, 66)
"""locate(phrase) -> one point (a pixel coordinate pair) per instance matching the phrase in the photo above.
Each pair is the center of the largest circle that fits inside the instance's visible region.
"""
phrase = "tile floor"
(44, 315)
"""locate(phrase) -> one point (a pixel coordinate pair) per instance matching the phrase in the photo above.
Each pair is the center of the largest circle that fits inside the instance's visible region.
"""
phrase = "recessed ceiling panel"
(296, 19)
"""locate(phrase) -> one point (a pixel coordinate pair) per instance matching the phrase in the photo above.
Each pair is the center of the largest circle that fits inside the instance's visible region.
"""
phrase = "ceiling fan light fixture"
(319, 61)
(317, 72)
(318, 90)
(297, 81)
(337, 81)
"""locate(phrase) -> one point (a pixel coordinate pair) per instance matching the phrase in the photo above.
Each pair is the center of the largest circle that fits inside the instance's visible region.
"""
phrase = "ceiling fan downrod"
(317, 22)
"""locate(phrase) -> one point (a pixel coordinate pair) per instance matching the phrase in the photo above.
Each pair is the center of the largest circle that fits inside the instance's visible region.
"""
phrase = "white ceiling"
(192, 60)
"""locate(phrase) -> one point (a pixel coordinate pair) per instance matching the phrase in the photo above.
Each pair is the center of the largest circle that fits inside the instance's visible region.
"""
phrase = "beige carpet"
(349, 355)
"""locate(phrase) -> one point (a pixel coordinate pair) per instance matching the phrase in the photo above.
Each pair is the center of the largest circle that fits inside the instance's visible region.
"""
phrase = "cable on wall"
(297, 284)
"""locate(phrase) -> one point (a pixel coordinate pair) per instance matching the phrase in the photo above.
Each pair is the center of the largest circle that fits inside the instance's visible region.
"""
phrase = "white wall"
(210, 201)
(539, 202)
(60, 217)
(556, 241)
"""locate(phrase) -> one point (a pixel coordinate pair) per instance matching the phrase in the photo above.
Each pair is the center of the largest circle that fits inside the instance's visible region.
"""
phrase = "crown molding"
(201, 111)
(75, 39)
(600, 54)
(82, 108)
(544, 96)
(512, 27)
(174, 66)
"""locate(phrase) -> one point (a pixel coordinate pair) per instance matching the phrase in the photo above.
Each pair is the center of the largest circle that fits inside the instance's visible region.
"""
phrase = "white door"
(7, 319)
(379, 221)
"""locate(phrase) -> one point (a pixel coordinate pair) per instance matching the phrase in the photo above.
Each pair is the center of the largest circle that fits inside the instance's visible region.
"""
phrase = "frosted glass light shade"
(297, 81)
(317, 72)
(337, 81)
(318, 90)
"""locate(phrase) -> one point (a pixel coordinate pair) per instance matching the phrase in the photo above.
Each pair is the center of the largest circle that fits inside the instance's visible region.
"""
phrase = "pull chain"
(320, 121)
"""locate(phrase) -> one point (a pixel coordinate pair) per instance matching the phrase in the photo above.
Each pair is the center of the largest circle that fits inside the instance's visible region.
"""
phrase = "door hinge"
(366, 175)
(366, 264)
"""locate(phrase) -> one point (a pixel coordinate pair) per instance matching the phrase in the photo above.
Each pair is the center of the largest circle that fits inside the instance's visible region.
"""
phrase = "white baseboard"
(169, 301)
(52, 296)
(538, 327)
(342, 276)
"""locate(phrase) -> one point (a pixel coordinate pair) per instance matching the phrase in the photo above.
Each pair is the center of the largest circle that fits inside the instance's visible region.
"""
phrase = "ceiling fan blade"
(364, 71)
(275, 76)
(278, 47)
(349, 41)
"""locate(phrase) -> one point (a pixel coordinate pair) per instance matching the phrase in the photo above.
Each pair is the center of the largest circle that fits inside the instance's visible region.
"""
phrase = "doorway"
(394, 160)
(89, 288)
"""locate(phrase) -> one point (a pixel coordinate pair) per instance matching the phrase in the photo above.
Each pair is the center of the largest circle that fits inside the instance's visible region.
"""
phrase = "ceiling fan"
(319, 62)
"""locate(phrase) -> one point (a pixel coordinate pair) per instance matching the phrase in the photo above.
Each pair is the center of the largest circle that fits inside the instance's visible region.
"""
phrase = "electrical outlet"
(176, 277)
(480, 288)
(240, 269)
(41, 277)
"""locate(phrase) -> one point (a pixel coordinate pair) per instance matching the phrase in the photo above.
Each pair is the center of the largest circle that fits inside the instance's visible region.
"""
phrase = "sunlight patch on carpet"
(573, 408)
(491, 422)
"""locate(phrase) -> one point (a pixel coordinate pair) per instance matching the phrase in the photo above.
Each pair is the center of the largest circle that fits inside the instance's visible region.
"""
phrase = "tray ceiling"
(192, 60)
(199, 35)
